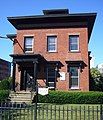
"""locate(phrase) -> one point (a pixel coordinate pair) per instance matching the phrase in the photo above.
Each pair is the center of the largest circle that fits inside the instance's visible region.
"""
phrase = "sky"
(10, 8)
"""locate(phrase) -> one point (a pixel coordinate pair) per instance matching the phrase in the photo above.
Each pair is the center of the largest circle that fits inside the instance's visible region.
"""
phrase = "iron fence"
(22, 111)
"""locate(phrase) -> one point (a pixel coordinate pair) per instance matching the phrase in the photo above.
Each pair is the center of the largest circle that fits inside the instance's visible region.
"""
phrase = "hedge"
(61, 97)
(4, 95)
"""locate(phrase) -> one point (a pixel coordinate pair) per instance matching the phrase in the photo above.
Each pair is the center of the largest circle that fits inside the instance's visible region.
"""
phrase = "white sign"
(43, 91)
(62, 75)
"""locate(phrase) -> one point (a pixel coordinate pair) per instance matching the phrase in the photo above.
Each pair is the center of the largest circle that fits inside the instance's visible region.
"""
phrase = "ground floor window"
(74, 77)
(51, 77)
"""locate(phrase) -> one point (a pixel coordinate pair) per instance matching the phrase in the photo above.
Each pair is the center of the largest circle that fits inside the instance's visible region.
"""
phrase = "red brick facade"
(62, 54)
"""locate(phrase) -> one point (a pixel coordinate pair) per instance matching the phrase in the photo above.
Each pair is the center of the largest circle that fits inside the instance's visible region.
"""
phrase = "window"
(52, 43)
(28, 44)
(74, 77)
(51, 77)
(74, 43)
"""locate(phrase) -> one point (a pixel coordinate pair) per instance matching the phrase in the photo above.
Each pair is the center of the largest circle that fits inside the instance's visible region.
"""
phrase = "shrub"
(4, 84)
(4, 95)
(96, 80)
(72, 97)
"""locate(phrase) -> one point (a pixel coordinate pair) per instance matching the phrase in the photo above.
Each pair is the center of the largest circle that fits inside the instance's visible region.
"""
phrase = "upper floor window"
(28, 44)
(74, 43)
(52, 43)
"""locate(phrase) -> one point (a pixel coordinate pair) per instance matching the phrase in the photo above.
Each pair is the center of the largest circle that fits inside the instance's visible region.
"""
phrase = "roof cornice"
(54, 21)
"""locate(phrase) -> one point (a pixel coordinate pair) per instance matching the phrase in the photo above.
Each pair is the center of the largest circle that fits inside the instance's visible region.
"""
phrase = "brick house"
(53, 49)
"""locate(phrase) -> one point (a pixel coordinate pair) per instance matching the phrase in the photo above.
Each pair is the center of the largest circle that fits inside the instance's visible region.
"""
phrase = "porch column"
(13, 76)
(35, 62)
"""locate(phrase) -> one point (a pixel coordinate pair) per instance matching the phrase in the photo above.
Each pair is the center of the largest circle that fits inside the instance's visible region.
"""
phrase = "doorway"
(27, 75)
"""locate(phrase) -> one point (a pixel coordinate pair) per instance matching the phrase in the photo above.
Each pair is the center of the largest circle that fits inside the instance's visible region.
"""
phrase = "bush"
(96, 80)
(4, 95)
(72, 97)
(4, 84)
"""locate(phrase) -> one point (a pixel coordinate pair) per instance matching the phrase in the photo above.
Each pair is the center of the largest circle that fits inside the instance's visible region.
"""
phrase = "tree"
(96, 80)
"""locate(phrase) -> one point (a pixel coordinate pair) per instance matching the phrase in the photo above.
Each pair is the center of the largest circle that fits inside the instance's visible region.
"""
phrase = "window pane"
(74, 82)
(51, 77)
(52, 43)
(73, 42)
(28, 49)
(51, 47)
(51, 72)
(74, 71)
(74, 75)
(28, 43)
(51, 40)
(74, 47)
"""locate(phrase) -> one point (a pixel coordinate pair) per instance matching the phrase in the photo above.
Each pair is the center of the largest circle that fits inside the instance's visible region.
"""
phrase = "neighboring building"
(92, 61)
(100, 67)
(5, 69)
(52, 48)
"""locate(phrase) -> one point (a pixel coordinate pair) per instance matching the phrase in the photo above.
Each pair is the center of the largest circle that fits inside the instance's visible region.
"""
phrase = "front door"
(26, 78)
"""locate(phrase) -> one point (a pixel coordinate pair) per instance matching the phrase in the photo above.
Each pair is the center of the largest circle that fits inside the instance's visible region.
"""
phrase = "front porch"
(27, 68)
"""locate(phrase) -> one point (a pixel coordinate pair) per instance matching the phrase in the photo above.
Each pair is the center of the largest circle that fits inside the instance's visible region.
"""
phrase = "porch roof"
(26, 57)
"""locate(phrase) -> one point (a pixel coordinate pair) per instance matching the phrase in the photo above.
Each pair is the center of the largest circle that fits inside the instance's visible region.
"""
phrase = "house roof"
(54, 19)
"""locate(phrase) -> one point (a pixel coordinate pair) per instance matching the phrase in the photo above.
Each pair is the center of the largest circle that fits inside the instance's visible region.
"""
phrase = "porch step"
(21, 96)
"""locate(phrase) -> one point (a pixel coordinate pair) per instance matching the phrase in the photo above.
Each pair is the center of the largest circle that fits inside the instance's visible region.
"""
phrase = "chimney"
(56, 11)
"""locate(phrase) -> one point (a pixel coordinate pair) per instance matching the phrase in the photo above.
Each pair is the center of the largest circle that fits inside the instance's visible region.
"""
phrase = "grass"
(55, 112)
(75, 112)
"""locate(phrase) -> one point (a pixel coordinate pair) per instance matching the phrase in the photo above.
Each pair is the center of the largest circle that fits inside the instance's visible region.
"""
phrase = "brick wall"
(62, 54)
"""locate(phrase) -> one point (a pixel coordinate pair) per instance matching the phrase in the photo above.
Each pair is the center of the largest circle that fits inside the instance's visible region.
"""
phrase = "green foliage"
(96, 80)
(72, 97)
(4, 95)
(4, 84)
(95, 73)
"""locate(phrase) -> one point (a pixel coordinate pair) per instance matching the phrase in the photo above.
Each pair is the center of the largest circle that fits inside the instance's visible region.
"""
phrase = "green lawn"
(55, 112)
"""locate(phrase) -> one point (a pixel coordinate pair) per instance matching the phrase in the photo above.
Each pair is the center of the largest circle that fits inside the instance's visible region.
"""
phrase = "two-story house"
(53, 49)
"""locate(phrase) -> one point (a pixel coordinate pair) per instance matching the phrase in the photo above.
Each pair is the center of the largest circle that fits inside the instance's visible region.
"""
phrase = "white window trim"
(77, 41)
(55, 45)
(32, 44)
(77, 87)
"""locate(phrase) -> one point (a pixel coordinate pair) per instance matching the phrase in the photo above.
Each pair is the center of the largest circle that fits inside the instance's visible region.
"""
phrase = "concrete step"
(21, 96)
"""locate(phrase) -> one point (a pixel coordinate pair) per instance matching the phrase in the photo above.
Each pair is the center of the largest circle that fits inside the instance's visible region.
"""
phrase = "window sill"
(73, 51)
(52, 52)
(75, 89)
(51, 88)
(29, 52)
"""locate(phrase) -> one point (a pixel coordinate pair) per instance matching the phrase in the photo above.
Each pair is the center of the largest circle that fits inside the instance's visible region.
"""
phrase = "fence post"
(35, 105)
(101, 112)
